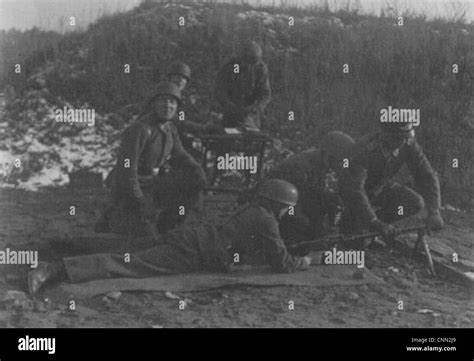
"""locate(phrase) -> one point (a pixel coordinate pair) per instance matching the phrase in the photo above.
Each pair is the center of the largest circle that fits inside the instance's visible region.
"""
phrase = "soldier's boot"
(45, 273)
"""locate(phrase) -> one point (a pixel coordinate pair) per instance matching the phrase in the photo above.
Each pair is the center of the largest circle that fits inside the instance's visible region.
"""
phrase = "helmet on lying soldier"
(279, 191)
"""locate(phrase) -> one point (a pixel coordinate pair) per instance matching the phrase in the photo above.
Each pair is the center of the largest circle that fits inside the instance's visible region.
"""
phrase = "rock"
(19, 300)
(352, 296)
(114, 295)
(172, 296)
(15, 295)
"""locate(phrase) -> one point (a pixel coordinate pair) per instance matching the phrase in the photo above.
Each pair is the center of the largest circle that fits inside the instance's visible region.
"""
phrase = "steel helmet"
(337, 144)
(279, 191)
(180, 68)
(250, 50)
(167, 88)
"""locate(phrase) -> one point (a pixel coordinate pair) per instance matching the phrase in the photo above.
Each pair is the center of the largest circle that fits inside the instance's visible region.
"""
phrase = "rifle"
(326, 243)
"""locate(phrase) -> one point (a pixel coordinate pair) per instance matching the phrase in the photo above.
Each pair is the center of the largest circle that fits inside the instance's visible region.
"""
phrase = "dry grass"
(407, 66)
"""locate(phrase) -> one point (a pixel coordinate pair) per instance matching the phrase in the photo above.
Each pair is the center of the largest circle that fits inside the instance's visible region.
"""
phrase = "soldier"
(180, 74)
(314, 173)
(243, 88)
(250, 236)
(153, 171)
(367, 182)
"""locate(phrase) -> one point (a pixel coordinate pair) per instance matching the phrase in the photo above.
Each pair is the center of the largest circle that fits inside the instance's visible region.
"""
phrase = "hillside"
(389, 64)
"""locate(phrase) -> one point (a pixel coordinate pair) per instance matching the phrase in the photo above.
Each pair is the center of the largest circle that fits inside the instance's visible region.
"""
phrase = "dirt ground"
(41, 221)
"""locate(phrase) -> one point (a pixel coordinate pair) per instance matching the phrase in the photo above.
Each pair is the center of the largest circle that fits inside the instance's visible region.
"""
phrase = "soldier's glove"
(434, 221)
(388, 231)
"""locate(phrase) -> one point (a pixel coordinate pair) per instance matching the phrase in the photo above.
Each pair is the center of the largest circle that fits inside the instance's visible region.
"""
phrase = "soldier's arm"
(180, 158)
(352, 190)
(426, 179)
(264, 92)
(222, 83)
(131, 147)
(274, 249)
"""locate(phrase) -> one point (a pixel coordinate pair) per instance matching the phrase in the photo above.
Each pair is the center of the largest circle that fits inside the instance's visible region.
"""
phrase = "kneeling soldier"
(153, 171)
(250, 236)
(367, 182)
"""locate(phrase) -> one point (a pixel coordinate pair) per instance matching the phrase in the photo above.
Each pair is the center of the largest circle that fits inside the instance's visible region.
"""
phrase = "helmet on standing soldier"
(167, 88)
(180, 68)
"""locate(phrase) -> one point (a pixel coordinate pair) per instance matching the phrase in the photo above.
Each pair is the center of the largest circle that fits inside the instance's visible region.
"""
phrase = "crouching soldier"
(315, 174)
(153, 171)
(243, 88)
(374, 201)
(250, 236)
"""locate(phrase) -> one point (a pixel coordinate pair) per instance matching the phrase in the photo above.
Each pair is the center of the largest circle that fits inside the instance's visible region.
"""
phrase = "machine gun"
(328, 242)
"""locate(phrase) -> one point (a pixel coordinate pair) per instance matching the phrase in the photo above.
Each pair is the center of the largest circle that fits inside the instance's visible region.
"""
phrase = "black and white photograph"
(237, 164)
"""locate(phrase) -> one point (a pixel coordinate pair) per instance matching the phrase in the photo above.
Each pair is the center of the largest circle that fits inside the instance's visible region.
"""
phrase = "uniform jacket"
(249, 87)
(370, 169)
(253, 234)
(148, 145)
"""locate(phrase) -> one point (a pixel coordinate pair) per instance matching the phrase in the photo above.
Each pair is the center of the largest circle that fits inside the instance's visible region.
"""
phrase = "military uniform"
(152, 169)
(188, 129)
(367, 183)
(318, 197)
(252, 233)
(243, 96)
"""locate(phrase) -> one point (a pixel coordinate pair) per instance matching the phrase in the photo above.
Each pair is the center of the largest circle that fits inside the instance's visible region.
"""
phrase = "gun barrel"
(333, 239)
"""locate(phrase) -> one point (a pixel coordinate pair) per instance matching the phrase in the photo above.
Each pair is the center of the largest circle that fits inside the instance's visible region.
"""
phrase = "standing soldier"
(243, 88)
(315, 174)
(250, 236)
(367, 182)
(153, 171)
